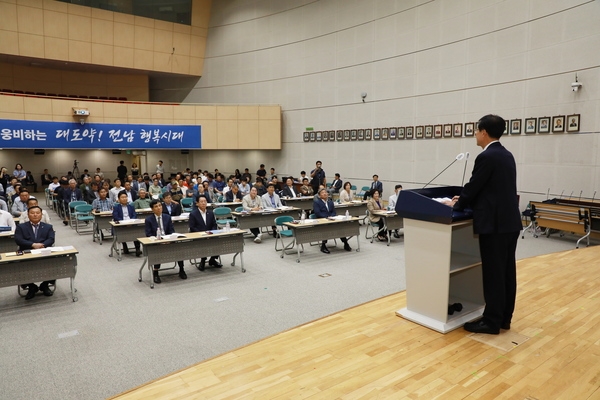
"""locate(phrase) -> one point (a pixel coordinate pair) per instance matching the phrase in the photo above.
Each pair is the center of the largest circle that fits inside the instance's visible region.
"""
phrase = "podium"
(443, 264)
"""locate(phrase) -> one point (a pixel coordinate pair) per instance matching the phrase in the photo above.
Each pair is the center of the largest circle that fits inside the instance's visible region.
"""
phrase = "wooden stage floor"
(367, 352)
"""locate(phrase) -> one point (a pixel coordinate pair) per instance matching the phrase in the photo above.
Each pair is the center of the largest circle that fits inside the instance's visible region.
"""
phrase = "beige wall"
(224, 127)
(46, 80)
(47, 29)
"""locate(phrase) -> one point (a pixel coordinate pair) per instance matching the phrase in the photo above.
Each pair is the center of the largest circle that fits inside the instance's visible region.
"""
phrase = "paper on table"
(130, 221)
(441, 199)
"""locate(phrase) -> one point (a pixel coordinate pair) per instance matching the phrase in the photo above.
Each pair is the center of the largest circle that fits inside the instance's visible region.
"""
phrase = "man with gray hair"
(143, 201)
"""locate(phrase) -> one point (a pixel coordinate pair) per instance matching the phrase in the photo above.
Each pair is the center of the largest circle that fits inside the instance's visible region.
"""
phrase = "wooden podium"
(443, 264)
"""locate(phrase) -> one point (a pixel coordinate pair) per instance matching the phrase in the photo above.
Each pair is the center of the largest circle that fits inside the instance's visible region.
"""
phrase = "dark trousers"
(343, 239)
(499, 270)
(255, 231)
(180, 263)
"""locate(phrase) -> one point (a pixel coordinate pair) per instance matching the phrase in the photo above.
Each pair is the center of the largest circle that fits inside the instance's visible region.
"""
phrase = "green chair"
(83, 215)
(186, 204)
(223, 216)
(283, 232)
(239, 209)
(71, 211)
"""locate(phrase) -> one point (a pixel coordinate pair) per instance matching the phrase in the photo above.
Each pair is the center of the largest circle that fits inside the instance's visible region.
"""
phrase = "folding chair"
(186, 204)
(223, 216)
(70, 210)
(83, 214)
(284, 232)
(362, 192)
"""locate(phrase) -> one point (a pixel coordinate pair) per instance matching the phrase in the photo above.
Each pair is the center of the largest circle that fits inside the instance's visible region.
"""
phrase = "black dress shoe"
(396, 235)
(202, 264)
(65, 223)
(182, 274)
(505, 326)
(347, 247)
(325, 250)
(125, 250)
(157, 278)
(481, 326)
(138, 252)
(215, 263)
(46, 290)
(33, 289)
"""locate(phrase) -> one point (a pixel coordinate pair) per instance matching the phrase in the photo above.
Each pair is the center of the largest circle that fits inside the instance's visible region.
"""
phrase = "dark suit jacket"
(66, 195)
(321, 211)
(336, 185)
(197, 223)
(492, 192)
(118, 212)
(175, 209)
(286, 192)
(25, 238)
(152, 225)
(229, 196)
(378, 186)
(134, 195)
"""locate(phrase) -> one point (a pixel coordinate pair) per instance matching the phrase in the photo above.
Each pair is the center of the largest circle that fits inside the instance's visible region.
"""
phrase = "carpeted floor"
(121, 334)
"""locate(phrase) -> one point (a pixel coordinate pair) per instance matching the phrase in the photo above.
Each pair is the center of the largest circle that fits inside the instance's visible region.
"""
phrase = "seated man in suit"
(288, 190)
(253, 202)
(375, 185)
(323, 208)
(71, 193)
(35, 235)
(169, 206)
(234, 195)
(159, 220)
(271, 201)
(306, 189)
(202, 220)
(122, 212)
(336, 185)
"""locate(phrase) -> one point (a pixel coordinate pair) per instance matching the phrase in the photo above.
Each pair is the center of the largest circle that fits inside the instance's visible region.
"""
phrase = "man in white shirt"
(7, 220)
(392, 204)
(114, 192)
(271, 201)
(159, 168)
(20, 204)
(52, 187)
(32, 202)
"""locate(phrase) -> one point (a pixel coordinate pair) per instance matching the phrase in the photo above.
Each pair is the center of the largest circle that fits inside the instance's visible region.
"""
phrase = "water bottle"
(302, 217)
(347, 214)
(158, 234)
(227, 227)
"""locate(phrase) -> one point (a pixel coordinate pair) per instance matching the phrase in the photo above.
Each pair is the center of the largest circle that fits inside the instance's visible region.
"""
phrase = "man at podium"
(492, 194)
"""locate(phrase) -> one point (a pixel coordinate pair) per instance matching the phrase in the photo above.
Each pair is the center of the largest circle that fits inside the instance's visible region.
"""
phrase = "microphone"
(465, 169)
(580, 193)
(458, 157)
(594, 196)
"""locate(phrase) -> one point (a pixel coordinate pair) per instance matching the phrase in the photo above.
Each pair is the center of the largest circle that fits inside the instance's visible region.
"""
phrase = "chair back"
(186, 204)
(312, 216)
(222, 212)
(353, 188)
(239, 209)
(83, 209)
(74, 204)
(283, 219)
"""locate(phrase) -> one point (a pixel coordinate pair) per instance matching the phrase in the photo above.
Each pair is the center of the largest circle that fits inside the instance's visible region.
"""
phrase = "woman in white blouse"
(346, 194)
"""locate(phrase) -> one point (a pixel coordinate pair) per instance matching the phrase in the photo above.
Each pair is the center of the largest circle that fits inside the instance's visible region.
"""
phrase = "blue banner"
(18, 134)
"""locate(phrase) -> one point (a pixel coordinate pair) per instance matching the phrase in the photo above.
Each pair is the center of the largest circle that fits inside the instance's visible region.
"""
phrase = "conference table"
(356, 208)
(102, 221)
(391, 222)
(316, 230)
(232, 205)
(39, 265)
(258, 219)
(192, 245)
(303, 203)
(132, 229)
(7, 241)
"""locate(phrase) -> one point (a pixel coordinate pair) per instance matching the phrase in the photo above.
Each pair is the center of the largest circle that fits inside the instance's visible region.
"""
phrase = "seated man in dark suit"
(202, 220)
(336, 185)
(375, 185)
(169, 206)
(159, 220)
(289, 190)
(234, 195)
(122, 212)
(35, 235)
(323, 208)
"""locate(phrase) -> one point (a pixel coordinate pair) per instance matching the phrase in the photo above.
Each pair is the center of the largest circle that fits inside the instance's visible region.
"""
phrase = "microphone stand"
(457, 158)
(465, 169)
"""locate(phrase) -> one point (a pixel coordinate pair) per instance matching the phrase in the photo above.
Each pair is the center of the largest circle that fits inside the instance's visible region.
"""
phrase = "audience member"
(324, 208)
(253, 202)
(123, 212)
(202, 220)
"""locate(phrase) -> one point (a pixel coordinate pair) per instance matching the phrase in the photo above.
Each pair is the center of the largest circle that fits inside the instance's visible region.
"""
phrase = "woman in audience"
(375, 204)
(19, 173)
(135, 171)
(346, 194)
